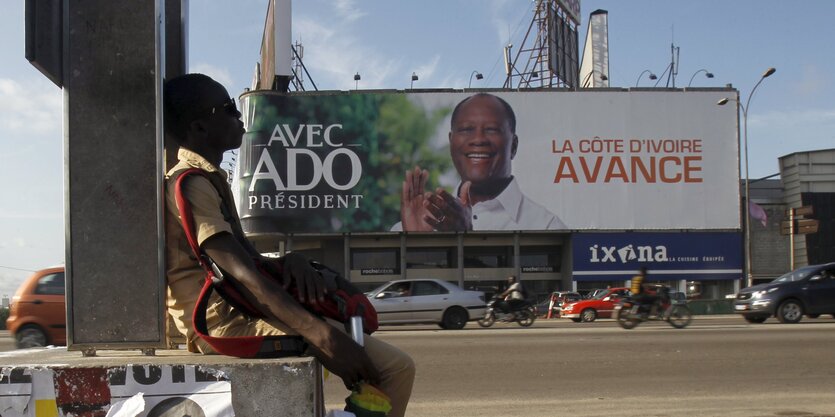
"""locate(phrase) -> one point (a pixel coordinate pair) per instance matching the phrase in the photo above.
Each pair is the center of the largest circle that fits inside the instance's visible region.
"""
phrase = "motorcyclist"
(644, 294)
(512, 298)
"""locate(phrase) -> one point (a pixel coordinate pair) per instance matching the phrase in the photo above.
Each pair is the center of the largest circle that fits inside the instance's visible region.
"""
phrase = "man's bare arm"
(334, 348)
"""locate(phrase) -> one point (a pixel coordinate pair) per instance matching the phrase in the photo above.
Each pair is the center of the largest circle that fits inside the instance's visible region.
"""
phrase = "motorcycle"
(524, 314)
(629, 313)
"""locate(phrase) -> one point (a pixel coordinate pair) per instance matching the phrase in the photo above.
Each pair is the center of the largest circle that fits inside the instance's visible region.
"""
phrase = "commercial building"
(623, 177)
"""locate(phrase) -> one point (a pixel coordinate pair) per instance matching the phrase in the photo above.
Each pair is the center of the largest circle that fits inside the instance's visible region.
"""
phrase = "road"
(717, 366)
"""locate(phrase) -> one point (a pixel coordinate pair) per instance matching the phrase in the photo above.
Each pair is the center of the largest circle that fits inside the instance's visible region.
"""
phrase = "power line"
(17, 269)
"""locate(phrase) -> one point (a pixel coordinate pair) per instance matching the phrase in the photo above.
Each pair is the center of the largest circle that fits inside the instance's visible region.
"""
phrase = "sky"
(443, 42)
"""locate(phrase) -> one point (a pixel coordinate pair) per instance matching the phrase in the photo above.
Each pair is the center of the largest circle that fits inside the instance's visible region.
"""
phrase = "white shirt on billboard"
(510, 210)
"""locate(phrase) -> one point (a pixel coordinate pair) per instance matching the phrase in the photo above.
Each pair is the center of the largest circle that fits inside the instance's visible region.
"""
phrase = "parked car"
(601, 306)
(809, 290)
(427, 301)
(37, 314)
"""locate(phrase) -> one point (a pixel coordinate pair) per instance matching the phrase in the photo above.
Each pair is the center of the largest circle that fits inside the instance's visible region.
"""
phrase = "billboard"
(672, 256)
(618, 160)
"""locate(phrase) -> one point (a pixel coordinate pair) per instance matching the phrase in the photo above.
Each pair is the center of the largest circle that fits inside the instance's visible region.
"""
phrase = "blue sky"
(442, 41)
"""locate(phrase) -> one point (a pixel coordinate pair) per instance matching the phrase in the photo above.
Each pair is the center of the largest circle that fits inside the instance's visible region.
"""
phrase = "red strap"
(239, 346)
(187, 219)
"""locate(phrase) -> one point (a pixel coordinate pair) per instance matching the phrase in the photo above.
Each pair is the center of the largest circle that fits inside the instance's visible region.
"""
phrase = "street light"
(708, 74)
(478, 76)
(652, 76)
(357, 80)
(414, 78)
(603, 77)
(722, 102)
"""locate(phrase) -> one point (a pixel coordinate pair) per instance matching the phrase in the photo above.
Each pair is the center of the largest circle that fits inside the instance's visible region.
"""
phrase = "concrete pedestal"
(54, 382)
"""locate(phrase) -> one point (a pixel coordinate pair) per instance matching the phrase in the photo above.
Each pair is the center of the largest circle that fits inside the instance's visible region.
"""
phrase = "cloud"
(812, 81)
(334, 55)
(34, 107)
(220, 75)
(348, 10)
(812, 119)
(428, 70)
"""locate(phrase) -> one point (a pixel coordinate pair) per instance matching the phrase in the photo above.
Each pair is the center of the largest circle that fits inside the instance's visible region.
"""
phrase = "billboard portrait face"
(334, 162)
(482, 141)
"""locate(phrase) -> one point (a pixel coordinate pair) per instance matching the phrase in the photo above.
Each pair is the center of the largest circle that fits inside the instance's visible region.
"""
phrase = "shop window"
(540, 258)
(429, 258)
(488, 257)
(376, 261)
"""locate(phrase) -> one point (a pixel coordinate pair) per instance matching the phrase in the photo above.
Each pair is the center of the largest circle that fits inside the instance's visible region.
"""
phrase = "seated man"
(204, 120)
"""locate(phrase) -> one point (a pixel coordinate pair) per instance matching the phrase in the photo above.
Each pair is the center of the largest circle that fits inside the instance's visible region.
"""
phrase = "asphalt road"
(719, 366)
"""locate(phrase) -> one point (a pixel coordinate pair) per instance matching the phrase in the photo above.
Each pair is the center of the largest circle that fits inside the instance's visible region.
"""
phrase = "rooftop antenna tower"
(548, 55)
(281, 66)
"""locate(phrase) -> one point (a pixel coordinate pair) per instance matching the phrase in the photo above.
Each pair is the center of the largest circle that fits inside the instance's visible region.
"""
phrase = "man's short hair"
(511, 115)
(183, 96)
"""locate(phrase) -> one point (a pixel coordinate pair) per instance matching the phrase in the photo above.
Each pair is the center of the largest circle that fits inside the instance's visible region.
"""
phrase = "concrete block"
(55, 382)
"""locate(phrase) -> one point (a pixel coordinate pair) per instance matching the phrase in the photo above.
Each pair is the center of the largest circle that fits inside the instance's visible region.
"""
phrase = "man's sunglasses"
(227, 106)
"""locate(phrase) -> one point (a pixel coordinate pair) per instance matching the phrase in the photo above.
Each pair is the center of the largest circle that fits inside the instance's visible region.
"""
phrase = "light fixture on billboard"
(652, 76)
(478, 76)
(586, 81)
(748, 261)
(414, 78)
(708, 74)
(357, 79)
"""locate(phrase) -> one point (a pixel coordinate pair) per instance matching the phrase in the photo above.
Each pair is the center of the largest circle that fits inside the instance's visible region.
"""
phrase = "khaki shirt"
(184, 274)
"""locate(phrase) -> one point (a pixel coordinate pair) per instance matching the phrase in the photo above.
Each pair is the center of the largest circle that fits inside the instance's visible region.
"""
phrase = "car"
(427, 301)
(559, 298)
(37, 314)
(809, 290)
(590, 309)
(595, 292)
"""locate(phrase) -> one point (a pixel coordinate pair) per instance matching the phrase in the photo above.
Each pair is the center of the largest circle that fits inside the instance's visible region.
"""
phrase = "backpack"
(342, 301)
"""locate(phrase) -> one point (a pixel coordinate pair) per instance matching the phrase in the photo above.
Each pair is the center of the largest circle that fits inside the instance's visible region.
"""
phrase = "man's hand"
(449, 213)
(413, 210)
(309, 282)
(345, 358)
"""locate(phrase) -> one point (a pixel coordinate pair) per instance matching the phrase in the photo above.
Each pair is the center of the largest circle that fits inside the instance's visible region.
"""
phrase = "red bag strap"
(187, 219)
(239, 346)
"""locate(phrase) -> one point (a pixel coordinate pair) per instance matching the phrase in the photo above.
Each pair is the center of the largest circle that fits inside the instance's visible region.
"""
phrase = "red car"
(602, 305)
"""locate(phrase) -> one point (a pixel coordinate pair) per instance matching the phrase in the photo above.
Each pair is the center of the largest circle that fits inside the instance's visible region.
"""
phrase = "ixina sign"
(537, 160)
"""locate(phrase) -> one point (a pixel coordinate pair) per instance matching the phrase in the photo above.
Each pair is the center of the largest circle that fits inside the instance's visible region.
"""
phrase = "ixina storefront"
(583, 176)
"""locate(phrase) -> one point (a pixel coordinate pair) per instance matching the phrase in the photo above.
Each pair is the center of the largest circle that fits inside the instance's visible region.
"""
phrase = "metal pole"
(791, 239)
(748, 261)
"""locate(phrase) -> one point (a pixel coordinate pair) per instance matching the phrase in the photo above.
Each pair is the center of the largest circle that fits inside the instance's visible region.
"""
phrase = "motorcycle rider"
(644, 294)
(512, 298)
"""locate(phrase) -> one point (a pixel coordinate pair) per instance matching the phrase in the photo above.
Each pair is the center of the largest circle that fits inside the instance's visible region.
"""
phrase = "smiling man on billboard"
(482, 143)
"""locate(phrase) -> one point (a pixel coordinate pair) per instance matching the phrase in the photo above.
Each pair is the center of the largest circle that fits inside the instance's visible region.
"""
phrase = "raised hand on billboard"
(450, 213)
(413, 211)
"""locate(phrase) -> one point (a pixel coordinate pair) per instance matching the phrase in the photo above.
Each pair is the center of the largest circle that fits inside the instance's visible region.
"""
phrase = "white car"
(426, 301)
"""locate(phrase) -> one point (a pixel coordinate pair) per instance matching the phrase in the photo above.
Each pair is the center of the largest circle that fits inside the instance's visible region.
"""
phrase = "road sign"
(800, 211)
(801, 227)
